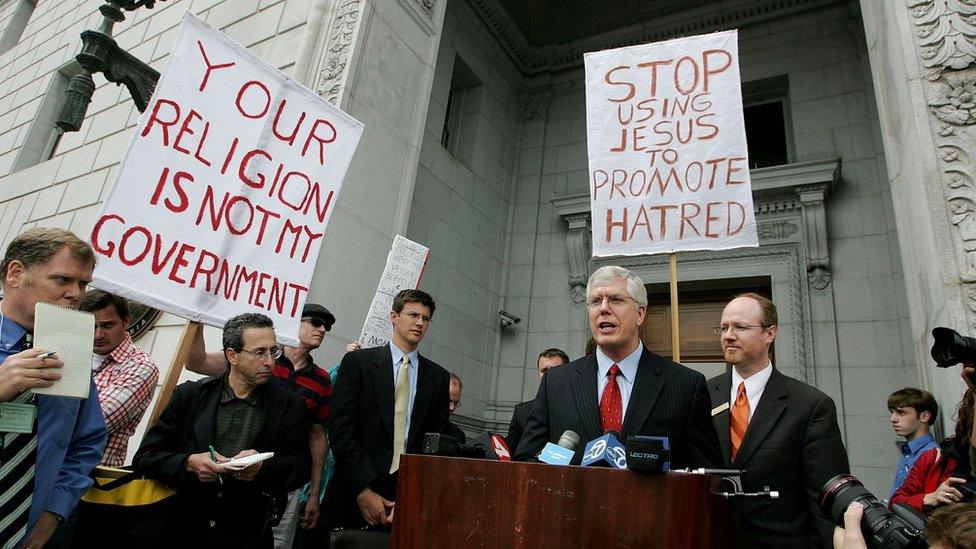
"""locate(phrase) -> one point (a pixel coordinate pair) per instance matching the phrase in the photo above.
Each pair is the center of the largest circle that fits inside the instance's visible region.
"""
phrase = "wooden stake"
(175, 369)
(675, 332)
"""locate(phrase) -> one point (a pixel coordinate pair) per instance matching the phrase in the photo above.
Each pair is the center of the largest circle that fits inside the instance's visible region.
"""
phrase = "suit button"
(220, 494)
(212, 524)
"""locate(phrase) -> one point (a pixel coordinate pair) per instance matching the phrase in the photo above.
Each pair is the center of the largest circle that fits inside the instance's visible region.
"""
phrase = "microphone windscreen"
(569, 440)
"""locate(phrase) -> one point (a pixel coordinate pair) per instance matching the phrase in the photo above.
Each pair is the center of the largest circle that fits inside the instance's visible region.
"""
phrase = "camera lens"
(881, 527)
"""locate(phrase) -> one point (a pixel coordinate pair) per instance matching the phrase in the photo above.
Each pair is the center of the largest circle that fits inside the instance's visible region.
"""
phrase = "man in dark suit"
(385, 399)
(549, 358)
(622, 387)
(782, 432)
(237, 414)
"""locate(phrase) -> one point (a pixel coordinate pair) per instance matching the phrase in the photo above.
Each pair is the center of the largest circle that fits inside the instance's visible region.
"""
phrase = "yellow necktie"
(402, 400)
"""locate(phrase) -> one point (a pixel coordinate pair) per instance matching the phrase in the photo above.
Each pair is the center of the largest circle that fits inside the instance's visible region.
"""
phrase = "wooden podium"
(457, 502)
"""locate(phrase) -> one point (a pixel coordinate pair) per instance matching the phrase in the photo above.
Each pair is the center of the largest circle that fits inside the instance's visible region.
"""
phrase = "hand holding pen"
(28, 369)
(206, 465)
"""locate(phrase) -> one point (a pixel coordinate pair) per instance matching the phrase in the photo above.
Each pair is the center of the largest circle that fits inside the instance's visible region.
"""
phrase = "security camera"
(507, 321)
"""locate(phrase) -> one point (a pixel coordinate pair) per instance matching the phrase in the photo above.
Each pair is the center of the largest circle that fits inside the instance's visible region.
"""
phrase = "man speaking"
(623, 387)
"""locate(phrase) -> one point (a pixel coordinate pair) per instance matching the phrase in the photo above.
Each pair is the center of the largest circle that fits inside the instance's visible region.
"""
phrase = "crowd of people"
(320, 449)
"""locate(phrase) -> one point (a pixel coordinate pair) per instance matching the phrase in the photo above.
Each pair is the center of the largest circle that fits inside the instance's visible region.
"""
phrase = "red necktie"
(739, 420)
(611, 405)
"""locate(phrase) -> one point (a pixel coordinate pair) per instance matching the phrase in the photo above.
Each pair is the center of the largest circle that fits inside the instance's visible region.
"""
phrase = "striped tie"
(17, 458)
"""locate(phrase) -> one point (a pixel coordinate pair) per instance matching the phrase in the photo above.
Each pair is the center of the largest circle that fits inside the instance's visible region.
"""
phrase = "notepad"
(71, 334)
(237, 464)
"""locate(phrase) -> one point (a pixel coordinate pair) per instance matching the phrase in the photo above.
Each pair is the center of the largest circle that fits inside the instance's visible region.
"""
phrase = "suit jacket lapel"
(383, 384)
(771, 406)
(585, 395)
(425, 394)
(719, 388)
(647, 387)
(204, 427)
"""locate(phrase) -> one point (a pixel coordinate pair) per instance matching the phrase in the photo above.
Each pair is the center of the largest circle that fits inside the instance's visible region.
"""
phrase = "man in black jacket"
(385, 399)
(236, 415)
(549, 358)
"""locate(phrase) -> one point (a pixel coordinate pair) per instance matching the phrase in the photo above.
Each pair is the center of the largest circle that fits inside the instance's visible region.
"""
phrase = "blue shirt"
(412, 370)
(910, 452)
(625, 379)
(70, 440)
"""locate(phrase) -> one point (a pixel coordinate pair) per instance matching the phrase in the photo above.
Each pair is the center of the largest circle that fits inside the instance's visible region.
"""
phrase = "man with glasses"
(237, 414)
(782, 431)
(455, 403)
(296, 370)
(622, 387)
(386, 398)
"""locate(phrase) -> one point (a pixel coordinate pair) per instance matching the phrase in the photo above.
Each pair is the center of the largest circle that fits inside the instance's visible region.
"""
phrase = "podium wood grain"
(457, 502)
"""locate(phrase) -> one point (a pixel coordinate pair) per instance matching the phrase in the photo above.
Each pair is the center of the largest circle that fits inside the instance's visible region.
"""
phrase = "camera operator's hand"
(944, 494)
(968, 374)
(850, 536)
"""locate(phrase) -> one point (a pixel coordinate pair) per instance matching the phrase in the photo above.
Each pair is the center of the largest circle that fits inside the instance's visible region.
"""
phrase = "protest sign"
(224, 194)
(404, 268)
(668, 163)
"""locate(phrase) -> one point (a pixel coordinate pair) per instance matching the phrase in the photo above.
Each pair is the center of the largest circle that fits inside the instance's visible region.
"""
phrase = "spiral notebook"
(71, 334)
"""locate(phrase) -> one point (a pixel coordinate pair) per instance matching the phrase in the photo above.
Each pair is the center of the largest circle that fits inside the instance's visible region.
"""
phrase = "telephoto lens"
(883, 529)
(951, 348)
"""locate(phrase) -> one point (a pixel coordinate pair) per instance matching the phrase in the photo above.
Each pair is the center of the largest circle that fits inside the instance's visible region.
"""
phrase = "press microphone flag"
(562, 452)
(605, 451)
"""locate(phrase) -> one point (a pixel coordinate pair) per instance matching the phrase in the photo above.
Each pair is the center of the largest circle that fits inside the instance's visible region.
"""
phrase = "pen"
(48, 354)
(213, 456)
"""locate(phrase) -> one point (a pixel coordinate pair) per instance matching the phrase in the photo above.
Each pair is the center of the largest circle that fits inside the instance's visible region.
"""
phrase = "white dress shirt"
(755, 386)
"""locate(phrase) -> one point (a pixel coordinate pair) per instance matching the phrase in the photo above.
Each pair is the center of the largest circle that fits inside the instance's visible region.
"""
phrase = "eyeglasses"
(737, 328)
(262, 353)
(615, 301)
(317, 322)
(414, 317)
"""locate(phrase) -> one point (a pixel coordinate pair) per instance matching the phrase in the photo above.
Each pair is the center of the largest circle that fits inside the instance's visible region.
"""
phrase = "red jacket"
(930, 470)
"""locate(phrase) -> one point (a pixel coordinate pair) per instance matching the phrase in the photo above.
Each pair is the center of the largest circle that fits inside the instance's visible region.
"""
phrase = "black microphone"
(605, 451)
(648, 454)
(439, 444)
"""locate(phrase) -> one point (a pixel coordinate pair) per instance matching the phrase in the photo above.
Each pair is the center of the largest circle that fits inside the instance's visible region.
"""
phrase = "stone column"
(922, 55)
(375, 60)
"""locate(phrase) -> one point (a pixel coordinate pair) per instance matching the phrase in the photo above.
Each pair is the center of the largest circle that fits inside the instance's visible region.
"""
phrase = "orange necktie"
(739, 421)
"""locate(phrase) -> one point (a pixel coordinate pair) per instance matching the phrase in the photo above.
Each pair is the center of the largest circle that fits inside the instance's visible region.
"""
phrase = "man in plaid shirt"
(125, 375)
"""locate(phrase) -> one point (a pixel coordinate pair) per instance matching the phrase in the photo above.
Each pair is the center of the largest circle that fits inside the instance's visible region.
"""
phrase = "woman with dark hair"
(932, 481)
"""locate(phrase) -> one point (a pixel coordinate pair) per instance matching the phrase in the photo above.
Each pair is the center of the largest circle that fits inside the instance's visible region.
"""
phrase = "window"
(14, 16)
(462, 111)
(700, 305)
(44, 135)
(768, 126)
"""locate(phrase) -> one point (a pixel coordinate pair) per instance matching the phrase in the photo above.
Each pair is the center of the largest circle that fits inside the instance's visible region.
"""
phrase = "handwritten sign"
(669, 169)
(404, 268)
(224, 194)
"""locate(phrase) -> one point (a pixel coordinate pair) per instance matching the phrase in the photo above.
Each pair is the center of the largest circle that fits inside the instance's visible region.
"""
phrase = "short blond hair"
(35, 247)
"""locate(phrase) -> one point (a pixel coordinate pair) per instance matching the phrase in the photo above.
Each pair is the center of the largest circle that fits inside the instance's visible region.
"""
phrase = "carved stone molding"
(946, 41)
(697, 20)
(534, 104)
(342, 36)
(575, 211)
(422, 12)
(797, 192)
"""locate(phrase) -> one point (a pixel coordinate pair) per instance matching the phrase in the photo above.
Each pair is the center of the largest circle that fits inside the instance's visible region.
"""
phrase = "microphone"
(605, 451)
(562, 452)
(494, 446)
(647, 454)
(445, 445)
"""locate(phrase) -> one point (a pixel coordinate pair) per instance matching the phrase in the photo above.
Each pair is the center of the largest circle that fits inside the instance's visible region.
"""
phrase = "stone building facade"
(475, 145)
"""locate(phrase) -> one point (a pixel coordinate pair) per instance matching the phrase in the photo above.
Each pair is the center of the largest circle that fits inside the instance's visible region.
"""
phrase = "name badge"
(17, 418)
(720, 408)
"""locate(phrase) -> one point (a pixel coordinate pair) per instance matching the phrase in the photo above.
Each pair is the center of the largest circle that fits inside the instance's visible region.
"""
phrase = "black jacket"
(361, 427)
(235, 513)
(792, 445)
(667, 399)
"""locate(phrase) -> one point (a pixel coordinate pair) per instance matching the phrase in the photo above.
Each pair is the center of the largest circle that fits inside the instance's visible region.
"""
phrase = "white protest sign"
(669, 168)
(404, 268)
(226, 189)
